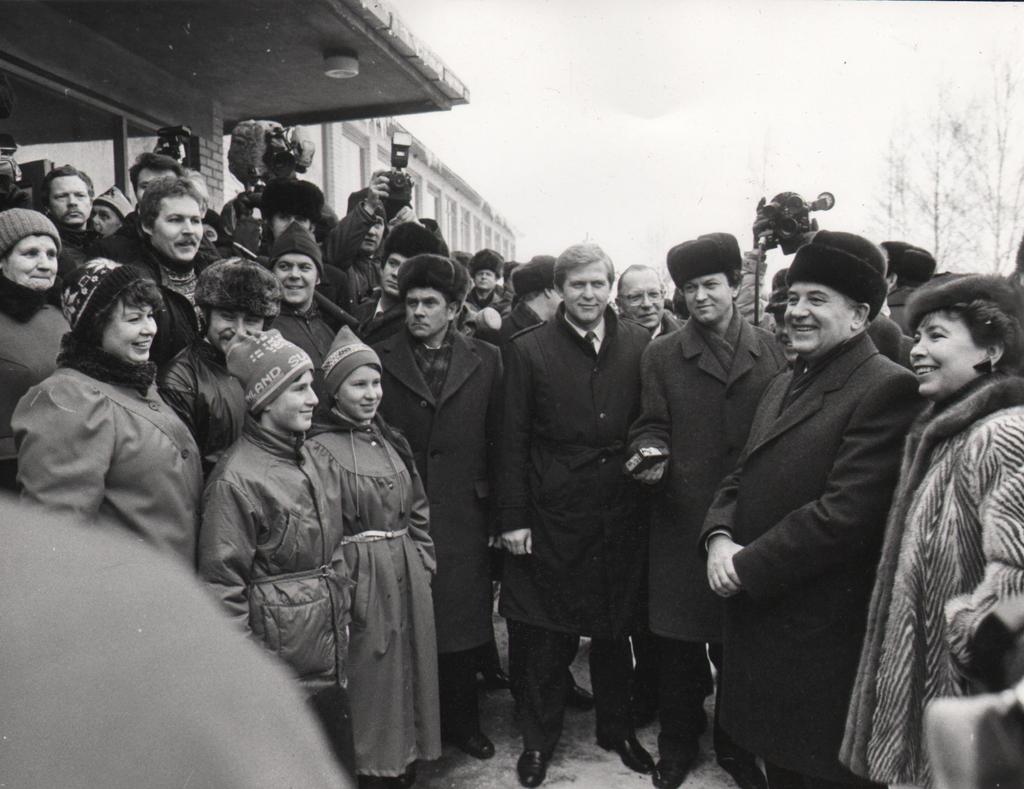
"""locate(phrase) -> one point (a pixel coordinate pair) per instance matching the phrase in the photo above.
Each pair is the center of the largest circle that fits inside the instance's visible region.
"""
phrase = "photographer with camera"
(66, 197)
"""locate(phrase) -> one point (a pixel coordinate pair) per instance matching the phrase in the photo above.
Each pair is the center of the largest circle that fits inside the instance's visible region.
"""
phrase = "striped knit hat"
(266, 364)
(347, 353)
(89, 289)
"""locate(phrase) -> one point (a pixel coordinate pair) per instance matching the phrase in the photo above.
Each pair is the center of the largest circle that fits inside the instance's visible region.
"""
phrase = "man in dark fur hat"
(238, 298)
(443, 393)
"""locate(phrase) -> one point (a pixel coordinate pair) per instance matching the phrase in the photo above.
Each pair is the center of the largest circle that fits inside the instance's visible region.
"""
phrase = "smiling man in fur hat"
(443, 391)
(238, 299)
(793, 534)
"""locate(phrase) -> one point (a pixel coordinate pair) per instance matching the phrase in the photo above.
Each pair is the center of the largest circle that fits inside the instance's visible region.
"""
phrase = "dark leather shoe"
(579, 698)
(496, 679)
(744, 772)
(476, 745)
(670, 773)
(632, 753)
(532, 768)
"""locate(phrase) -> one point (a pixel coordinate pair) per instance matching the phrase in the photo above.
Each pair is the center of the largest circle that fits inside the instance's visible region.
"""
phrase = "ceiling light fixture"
(341, 64)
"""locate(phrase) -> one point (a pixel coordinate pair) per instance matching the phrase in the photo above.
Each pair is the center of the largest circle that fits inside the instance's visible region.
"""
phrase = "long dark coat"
(808, 500)
(567, 416)
(454, 442)
(702, 416)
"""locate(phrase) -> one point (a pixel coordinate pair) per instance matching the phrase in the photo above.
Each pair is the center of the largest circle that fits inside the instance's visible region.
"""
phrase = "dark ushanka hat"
(712, 253)
(292, 197)
(845, 262)
(487, 260)
(961, 290)
(434, 271)
(239, 285)
(535, 276)
(908, 262)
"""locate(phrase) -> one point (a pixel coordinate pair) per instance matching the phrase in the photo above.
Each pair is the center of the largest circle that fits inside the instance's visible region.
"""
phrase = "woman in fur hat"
(94, 439)
(383, 509)
(954, 544)
(30, 329)
(238, 298)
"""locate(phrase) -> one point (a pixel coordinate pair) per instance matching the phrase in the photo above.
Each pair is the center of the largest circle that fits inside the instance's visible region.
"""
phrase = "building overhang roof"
(156, 59)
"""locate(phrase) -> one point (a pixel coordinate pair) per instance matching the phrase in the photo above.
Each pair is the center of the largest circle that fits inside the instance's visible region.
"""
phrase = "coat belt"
(373, 535)
(575, 456)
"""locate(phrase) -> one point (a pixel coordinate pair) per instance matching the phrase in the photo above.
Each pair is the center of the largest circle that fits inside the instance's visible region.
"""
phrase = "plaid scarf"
(433, 362)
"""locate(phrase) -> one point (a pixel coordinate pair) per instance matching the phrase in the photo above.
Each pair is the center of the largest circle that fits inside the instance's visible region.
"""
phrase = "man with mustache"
(66, 194)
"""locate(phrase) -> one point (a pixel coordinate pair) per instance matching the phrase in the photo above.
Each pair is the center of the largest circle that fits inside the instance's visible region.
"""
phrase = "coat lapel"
(399, 361)
(463, 363)
(693, 345)
(810, 402)
(747, 351)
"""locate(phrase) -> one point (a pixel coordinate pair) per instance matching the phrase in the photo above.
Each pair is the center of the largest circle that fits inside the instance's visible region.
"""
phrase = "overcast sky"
(644, 123)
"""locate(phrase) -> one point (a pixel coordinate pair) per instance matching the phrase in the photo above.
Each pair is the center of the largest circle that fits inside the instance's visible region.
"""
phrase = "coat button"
(601, 415)
(184, 454)
(423, 403)
(604, 460)
(154, 406)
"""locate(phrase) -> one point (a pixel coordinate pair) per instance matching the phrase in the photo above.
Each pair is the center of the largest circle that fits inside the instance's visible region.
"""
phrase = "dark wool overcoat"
(808, 500)
(702, 416)
(567, 416)
(454, 442)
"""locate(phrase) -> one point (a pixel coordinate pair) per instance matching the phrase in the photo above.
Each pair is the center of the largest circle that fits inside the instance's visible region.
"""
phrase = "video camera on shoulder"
(399, 181)
(786, 219)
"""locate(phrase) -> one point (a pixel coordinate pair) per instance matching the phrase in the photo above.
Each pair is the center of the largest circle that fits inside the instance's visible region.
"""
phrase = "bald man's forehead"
(639, 280)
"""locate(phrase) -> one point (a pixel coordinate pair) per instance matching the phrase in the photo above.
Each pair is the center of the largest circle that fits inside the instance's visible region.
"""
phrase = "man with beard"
(641, 299)
(700, 388)
(794, 532)
(66, 194)
(385, 316)
(569, 516)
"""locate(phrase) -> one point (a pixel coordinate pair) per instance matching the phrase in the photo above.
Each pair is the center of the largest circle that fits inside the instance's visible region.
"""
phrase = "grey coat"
(702, 417)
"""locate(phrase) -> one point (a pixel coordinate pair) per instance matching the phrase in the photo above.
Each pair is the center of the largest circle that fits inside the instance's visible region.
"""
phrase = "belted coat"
(701, 414)
(567, 417)
(454, 443)
(808, 503)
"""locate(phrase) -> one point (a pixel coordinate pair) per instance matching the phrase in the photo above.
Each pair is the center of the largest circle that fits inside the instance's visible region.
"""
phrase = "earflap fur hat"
(487, 260)
(844, 262)
(434, 271)
(293, 198)
(239, 285)
(910, 264)
(712, 253)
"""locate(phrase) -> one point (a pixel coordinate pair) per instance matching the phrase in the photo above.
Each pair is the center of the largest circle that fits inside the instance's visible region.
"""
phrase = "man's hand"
(653, 474)
(518, 542)
(378, 190)
(405, 214)
(722, 576)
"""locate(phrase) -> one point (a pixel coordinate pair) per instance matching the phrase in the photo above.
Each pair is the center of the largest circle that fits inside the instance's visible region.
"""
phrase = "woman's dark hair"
(140, 293)
(988, 324)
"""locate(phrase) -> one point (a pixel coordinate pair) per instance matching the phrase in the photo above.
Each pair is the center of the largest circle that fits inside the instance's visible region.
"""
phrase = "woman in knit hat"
(30, 329)
(238, 298)
(382, 509)
(954, 543)
(94, 439)
(268, 548)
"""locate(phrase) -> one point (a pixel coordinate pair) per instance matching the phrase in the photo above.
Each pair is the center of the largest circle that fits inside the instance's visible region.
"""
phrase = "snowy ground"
(578, 762)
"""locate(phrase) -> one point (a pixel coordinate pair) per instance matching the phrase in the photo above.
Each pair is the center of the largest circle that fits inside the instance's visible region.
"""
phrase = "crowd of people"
(350, 433)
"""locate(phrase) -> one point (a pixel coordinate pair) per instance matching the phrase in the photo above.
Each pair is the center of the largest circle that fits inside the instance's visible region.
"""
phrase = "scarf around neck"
(97, 363)
(19, 302)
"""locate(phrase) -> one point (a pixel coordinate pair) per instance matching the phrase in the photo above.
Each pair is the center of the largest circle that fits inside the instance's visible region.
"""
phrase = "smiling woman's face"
(945, 354)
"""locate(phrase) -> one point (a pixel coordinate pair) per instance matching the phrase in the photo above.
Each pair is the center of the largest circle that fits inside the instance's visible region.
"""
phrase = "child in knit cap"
(266, 548)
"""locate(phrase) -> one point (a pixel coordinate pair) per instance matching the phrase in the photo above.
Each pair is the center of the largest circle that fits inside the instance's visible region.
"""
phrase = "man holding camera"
(793, 534)
(700, 388)
(569, 516)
